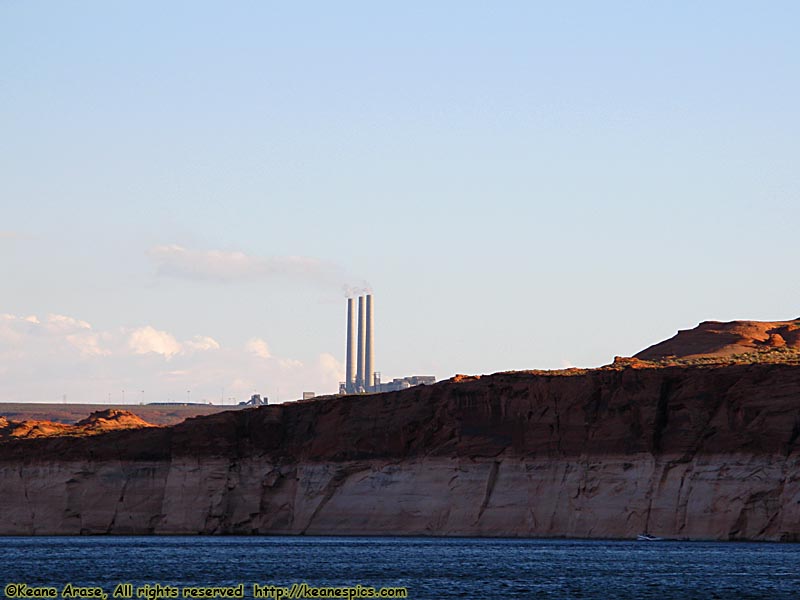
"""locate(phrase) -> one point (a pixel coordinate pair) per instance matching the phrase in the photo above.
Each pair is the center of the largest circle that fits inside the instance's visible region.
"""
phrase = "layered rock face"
(698, 452)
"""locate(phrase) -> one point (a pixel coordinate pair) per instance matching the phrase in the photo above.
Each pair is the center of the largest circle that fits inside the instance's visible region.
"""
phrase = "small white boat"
(646, 537)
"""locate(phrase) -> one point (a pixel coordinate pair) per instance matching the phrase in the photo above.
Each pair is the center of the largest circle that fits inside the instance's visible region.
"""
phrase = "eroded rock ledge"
(699, 452)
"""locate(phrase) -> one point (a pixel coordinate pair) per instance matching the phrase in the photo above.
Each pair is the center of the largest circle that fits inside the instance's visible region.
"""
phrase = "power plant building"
(402, 383)
(360, 375)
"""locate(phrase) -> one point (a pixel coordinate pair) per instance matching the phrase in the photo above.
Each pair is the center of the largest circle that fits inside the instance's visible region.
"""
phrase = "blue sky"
(522, 184)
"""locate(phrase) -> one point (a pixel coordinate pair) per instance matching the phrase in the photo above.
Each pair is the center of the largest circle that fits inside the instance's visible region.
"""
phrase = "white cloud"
(330, 367)
(148, 339)
(202, 343)
(88, 344)
(289, 363)
(178, 373)
(10, 328)
(61, 323)
(145, 340)
(59, 333)
(14, 329)
(43, 358)
(258, 347)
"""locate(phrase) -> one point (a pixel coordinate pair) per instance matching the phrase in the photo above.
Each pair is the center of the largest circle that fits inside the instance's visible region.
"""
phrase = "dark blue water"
(429, 568)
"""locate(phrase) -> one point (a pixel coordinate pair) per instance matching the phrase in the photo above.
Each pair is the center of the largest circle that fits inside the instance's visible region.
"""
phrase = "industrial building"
(360, 373)
(401, 383)
(255, 400)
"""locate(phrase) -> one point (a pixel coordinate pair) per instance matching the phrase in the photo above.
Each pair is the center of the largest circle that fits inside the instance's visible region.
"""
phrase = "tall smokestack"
(369, 361)
(360, 379)
(350, 370)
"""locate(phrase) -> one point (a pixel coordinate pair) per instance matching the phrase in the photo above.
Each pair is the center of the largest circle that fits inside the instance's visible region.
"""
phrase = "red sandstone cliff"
(688, 451)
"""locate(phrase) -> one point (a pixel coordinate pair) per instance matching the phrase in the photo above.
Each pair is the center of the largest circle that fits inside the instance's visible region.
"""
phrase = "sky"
(189, 190)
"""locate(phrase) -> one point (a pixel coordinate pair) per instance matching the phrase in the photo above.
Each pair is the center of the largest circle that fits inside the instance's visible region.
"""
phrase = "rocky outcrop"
(716, 339)
(110, 419)
(98, 422)
(699, 452)
(168, 413)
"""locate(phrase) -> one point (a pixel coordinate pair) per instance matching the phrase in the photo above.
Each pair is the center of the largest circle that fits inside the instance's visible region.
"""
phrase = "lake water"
(430, 568)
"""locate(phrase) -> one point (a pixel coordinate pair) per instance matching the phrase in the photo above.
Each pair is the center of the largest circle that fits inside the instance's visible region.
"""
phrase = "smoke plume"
(225, 266)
